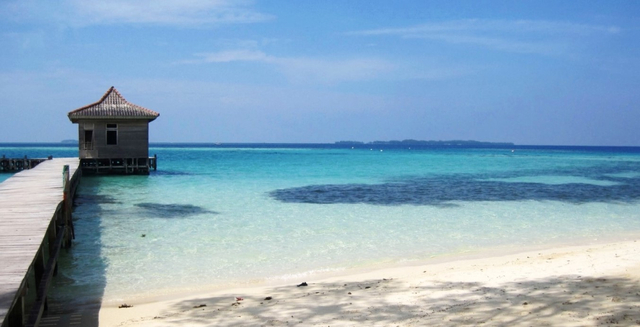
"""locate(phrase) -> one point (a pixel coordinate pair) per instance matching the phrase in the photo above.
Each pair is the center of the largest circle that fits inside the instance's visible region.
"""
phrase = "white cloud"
(171, 12)
(159, 12)
(229, 56)
(303, 69)
(330, 70)
(520, 36)
(490, 26)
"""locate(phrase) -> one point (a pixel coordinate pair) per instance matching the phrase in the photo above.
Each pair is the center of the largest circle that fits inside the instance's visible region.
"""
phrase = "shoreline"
(165, 294)
(568, 285)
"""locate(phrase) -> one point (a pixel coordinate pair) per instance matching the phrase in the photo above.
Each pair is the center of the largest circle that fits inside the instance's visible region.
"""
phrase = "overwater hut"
(113, 136)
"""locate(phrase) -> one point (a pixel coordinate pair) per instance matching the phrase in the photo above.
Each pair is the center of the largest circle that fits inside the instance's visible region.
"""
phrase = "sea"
(216, 216)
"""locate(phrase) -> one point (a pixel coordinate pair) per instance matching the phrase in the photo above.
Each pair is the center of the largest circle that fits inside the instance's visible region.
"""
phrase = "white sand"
(574, 286)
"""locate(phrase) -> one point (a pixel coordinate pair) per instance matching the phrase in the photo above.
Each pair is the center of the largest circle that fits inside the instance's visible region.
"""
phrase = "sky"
(528, 72)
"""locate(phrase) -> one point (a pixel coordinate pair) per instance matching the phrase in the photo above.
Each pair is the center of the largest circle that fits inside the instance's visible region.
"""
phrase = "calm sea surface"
(216, 216)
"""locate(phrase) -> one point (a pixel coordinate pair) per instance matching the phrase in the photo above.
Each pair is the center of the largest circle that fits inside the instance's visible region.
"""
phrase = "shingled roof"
(112, 105)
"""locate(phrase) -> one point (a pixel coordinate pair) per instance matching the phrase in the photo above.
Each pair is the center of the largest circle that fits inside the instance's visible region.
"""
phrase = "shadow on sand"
(561, 300)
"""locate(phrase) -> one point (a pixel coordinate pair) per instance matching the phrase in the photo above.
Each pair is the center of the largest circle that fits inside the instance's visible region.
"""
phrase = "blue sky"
(529, 72)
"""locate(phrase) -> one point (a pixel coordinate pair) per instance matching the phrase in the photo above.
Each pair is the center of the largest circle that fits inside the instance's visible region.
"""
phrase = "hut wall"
(132, 139)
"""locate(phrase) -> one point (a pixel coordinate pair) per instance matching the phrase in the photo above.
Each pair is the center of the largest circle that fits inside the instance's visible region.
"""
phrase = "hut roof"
(112, 105)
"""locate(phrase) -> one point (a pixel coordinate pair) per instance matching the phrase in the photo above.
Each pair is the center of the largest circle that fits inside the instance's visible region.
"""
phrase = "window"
(112, 134)
(88, 139)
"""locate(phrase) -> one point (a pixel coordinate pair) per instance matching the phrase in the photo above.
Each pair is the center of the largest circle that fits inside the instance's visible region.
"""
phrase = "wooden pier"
(35, 223)
(118, 166)
(18, 164)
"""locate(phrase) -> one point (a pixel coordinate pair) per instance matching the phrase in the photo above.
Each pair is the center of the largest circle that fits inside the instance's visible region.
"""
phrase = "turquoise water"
(227, 216)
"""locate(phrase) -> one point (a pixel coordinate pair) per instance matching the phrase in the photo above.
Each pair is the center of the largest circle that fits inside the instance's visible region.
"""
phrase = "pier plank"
(28, 201)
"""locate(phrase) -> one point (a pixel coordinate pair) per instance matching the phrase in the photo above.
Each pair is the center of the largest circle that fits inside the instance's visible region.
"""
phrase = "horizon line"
(486, 143)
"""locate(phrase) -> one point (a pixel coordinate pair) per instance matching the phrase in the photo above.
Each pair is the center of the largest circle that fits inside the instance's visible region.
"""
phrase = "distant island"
(429, 143)
(69, 141)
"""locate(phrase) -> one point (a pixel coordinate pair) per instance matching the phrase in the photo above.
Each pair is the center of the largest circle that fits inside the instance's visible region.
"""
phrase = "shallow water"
(221, 216)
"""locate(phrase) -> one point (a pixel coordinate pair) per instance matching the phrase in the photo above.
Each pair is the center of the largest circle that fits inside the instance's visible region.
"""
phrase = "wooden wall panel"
(133, 140)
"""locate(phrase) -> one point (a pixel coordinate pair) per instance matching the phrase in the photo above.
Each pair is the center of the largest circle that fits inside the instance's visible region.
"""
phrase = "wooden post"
(65, 177)
(66, 208)
(38, 265)
(51, 234)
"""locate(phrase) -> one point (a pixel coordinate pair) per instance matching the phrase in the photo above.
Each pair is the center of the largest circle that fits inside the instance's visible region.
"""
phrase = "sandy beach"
(589, 285)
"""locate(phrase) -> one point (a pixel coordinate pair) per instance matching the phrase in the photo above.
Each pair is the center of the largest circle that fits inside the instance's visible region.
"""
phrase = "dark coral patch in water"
(162, 210)
(443, 190)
